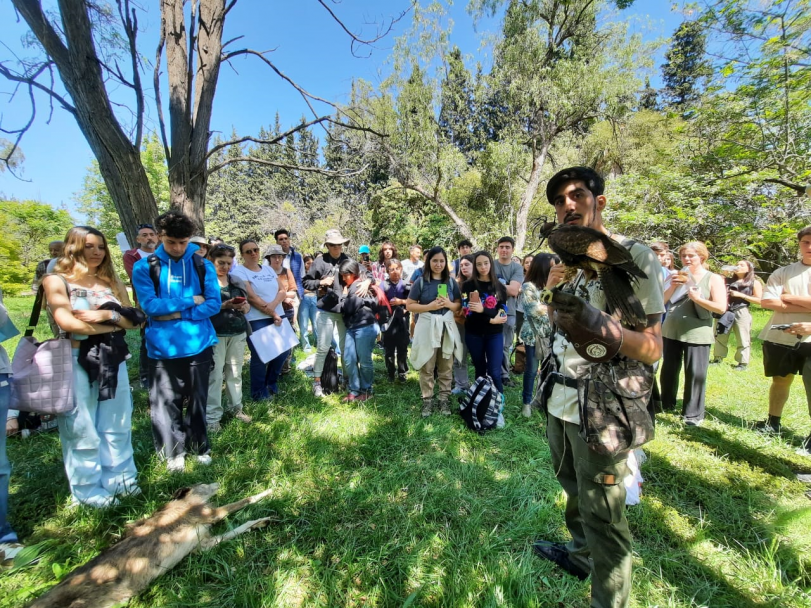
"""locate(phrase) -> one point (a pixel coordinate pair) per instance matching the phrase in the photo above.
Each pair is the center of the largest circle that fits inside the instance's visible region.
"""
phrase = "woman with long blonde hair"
(91, 307)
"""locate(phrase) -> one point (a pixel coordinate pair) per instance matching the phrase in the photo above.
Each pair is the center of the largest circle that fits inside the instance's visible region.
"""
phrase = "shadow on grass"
(680, 550)
(729, 448)
(390, 507)
(786, 434)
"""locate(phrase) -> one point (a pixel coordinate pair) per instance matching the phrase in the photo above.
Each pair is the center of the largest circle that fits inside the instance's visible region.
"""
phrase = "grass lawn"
(375, 506)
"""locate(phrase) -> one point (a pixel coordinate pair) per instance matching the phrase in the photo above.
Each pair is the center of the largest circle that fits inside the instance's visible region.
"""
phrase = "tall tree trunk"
(461, 225)
(522, 216)
(80, 70)
(193, 57)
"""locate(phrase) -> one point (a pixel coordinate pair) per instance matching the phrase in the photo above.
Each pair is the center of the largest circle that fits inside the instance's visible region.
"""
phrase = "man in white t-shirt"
(787, 353)
(593, 482)
(413, 262)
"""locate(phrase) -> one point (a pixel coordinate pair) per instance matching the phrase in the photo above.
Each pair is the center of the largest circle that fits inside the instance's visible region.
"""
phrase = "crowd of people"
(199, 302)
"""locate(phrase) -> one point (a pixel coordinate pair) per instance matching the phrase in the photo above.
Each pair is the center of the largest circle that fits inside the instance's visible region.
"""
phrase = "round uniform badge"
(596, 351)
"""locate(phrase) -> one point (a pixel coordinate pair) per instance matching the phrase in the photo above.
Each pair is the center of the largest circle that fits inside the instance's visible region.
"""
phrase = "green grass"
(375, 506)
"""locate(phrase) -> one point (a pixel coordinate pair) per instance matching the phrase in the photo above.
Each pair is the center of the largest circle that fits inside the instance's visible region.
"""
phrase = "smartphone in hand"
(442, 290)
(238, 301)
(781, 326)
(475, 297)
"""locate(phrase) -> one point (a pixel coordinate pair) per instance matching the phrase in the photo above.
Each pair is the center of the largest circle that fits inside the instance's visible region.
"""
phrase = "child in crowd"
(395, 331)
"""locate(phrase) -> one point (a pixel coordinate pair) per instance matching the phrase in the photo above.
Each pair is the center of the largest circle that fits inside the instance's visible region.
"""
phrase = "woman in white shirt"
(265, 299)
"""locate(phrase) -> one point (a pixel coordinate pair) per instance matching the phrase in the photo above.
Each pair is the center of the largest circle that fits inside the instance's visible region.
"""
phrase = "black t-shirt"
(478, 323)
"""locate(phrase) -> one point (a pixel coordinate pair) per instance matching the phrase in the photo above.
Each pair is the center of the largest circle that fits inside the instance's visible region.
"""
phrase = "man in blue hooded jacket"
(179, 339)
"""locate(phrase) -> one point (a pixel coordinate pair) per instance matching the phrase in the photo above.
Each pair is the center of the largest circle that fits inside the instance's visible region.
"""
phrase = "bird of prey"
(591, 250)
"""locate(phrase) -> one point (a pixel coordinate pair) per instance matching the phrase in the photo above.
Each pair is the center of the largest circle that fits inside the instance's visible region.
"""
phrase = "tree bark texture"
(193, 57)
(522, 216)
(79, 68)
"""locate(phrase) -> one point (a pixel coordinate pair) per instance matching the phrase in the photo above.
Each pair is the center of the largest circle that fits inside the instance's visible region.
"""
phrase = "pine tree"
(456, 110)
(686, 69)
(648, 97)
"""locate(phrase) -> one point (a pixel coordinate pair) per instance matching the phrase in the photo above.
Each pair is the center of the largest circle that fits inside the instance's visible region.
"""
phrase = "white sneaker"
(318, 392)
(176, 464)
(204, 459)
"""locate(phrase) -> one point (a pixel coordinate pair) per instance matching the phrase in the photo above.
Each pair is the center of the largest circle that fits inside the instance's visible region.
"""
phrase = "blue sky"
(308, 46)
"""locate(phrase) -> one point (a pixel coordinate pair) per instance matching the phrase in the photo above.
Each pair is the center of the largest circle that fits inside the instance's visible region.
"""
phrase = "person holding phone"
(743, 290)
(787, 352)
(484, 298)
(687, 334)
(232, 330)
(436, 339)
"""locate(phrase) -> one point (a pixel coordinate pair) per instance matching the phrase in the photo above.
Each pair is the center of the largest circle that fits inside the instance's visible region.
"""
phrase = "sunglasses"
(250, 251)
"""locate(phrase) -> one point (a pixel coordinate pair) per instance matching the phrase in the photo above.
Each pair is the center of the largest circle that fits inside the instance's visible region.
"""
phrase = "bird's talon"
(546, 296)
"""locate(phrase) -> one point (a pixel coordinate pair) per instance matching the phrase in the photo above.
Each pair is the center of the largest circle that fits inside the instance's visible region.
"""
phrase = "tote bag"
(42, 372)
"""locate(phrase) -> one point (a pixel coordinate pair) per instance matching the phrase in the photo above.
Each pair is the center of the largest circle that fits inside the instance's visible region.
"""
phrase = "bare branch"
(800, 190)
(30, 80)
(285, 166)
(275, 140)
(130, 22)
(228, 8)
(19, 132)
(304, 94)
(157, 86)
(292, 131)
(356, 39)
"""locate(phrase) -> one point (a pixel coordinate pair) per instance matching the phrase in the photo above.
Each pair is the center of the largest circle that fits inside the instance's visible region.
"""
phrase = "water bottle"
(80, 302)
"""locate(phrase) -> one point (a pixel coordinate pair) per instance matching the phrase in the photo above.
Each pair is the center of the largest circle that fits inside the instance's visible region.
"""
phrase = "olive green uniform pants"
(595, 513)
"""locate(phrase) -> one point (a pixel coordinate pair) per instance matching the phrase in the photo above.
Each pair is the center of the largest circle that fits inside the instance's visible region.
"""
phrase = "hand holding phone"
(475, 297)
(442, 290)
(238, 301)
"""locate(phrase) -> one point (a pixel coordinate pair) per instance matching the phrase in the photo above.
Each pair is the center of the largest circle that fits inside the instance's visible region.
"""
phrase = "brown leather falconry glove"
(595, 335)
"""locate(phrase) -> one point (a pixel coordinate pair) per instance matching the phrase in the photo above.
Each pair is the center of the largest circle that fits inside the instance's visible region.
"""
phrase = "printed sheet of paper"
(273, 340)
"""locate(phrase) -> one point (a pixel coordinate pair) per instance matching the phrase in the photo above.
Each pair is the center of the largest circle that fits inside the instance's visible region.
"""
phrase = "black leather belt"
(558, 378)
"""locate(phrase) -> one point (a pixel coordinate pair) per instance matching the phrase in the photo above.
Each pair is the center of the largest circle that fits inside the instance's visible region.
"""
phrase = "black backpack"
(481, 406)
(155, 272)
(329, 375)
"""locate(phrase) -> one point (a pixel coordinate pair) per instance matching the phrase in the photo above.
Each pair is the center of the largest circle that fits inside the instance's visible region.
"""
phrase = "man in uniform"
(595, 494)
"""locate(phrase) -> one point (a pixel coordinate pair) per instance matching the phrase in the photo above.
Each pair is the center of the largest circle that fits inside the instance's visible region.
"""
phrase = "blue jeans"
(307, 310)
(96, 440)
(264, 376)
(486, 352)
(358, 358)
(7, 535)
(530, 373)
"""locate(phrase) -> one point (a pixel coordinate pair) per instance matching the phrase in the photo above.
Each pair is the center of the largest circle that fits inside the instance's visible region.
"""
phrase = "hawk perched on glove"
(591, 250)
